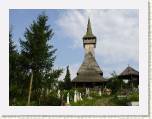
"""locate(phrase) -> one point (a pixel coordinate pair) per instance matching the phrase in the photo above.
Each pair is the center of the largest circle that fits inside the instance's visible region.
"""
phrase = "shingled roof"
(89, 63)
(129, 71)
(89, 77)
(89, 71)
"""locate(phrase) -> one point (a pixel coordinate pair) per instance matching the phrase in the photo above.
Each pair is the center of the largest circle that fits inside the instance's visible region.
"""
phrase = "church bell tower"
(89, 40)
(89, 74)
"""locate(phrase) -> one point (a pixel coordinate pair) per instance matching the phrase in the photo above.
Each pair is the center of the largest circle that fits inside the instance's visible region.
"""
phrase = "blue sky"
(116, 32)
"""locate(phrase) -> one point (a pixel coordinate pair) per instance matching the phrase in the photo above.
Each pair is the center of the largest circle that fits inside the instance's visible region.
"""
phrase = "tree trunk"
(30, 89)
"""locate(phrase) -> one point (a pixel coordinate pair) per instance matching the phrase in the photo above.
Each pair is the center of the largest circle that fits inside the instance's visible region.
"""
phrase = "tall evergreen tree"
(67, 80)
(37, 54)
(12, 47)
(13, 56)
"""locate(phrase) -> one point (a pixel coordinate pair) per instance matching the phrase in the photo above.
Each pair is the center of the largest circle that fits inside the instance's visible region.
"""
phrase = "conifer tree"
(13, 57)
(12, 47)
(67, 80)
(38, 56)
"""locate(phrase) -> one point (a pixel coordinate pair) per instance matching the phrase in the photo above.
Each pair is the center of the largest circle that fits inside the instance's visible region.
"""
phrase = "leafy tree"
(37, 54)
(61, 85)
(115, 83)
(67, 80)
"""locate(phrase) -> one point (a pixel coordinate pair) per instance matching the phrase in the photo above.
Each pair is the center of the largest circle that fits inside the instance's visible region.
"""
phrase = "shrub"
(120, 102)
(53, 100)
(134, 96)
(50, 100)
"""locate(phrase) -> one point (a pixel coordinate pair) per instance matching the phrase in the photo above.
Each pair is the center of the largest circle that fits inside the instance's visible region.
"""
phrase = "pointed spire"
(89, 33)
(89, 29)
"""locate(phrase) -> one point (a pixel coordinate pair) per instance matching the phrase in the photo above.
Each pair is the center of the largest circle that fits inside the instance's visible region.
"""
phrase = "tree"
(37, 54)
(67, 80)
(13, 57)
(115, 83)
(12, 47)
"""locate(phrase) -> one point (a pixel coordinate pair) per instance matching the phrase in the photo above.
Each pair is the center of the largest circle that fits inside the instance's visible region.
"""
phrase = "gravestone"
(87, 92)
(68, 102)
(78, 96)
(100, 92)
(47, 91)
(75, 96)
(81, 97)
(59, 94)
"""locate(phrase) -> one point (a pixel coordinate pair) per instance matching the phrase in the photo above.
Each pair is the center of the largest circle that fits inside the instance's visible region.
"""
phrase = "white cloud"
(116, 31)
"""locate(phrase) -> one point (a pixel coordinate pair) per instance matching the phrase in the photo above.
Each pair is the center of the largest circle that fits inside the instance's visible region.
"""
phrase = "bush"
(50, 100)
(81, 90)
(133, 96)
(120, 102)
(61, 85)
(53, 101)
(65, 92)
(94, 94)
(85, 102)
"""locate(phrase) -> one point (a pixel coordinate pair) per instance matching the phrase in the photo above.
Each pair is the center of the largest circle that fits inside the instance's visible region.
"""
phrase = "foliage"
(106, 100)
(120, 101)
(61, 85)
(123, 101)
(115, 84)
(14, 72)
(50, 100)
(134, 96)
(65, 92)
(81, 90)
(67, 80)
(37, 56)
(95, 101)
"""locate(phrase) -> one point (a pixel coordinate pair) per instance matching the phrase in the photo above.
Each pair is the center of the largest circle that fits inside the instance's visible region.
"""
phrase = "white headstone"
(75, 96)
(59, 95)
(99, 92)
(78, 96)
(68, 101)
(81, 97)
(47, 91)
(88, 92)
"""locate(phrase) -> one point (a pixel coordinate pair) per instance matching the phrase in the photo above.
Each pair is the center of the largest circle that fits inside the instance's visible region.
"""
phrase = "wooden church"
(89, 74)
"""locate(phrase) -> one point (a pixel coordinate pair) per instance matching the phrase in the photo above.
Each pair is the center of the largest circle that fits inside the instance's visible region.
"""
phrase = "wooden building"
(131, 75)
(89, 74)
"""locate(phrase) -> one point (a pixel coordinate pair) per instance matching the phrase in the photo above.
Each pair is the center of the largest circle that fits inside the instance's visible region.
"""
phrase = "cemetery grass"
(111, 100)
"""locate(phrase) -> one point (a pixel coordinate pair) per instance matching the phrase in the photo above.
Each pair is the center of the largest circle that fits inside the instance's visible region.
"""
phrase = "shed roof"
(129, 71)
